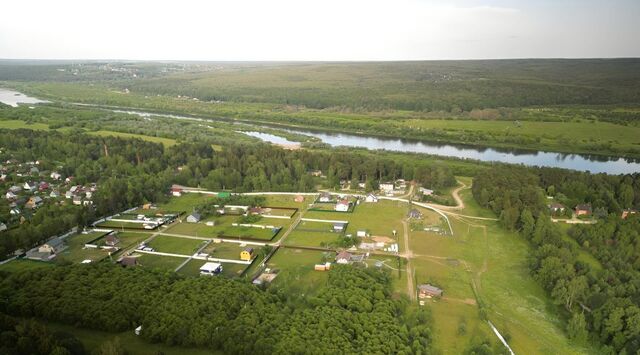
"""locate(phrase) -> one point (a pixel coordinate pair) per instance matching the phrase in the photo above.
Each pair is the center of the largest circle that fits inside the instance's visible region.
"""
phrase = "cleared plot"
(159, 262)
(185, 203)
(311, 239)
(167, 142)
(224, 228)
(296, 269)
(18, 265)
(224, 250)
(76, 252)
(117, 225)
(378, 219)
(287, 201)
(167, 244)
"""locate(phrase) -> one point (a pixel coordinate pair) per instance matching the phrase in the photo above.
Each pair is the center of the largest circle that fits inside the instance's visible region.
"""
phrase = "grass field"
(224, 250)
(168, 263)
(296, 269)
(167, 142)
(166, 244)
(16, 124)
(483, 256)
(93, 339)
(75, 251)
(24, 264)
(223, 228)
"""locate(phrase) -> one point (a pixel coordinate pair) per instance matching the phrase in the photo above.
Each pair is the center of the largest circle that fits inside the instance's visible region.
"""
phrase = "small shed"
(246, 254)
(194, 217)
(211, 268)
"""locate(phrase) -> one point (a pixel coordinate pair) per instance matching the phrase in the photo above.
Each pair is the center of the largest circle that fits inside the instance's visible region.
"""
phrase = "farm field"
(174, 245)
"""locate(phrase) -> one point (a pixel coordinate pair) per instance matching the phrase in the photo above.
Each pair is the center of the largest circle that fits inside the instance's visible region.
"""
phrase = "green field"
(168, 263)
(167, 142)
(296, 271)
(75, 251)
(225, 250)
(483, 256)
(16, 124)
(174, 245)
(18, 265)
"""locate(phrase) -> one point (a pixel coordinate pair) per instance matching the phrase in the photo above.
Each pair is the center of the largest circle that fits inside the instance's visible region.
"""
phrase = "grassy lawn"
(185, 203)
(168, 263)
(166, 244)
(167, 142)
(223, 228)
(311, 239)
(117, 225)
(24, 264)
(287, 201)
(16, 124)
(224, 250)
(296, 269)
(75, 251)
(495, 261)
(93, 339)
(379, 219)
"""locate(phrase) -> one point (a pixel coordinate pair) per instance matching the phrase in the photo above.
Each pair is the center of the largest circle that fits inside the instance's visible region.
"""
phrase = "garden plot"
(175, 245)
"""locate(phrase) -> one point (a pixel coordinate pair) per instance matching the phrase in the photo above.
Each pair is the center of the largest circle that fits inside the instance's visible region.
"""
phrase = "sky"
(318, 30)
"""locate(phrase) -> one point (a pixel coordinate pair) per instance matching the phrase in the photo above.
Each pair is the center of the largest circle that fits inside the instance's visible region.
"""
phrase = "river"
(13, 98)
(580, 162)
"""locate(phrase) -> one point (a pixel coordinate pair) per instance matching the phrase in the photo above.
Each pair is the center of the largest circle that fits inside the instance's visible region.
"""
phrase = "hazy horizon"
(332, 30)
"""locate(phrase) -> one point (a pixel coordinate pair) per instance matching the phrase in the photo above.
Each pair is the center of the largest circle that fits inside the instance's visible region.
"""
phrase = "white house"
(342, 206)
(55, 176)
(387, 187)
(425, 191)
(30, 186)
(3, 227)
(343, 257)
(10, 195)
(361, 234)
(325, 197)
(371, 198)
(193, 218)
(211, 269)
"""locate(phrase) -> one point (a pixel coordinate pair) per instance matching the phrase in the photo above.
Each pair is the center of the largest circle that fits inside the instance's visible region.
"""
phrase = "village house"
(111, 240)
(371, 198)
(246, 254)
(325, 197)
(54, 194)
(77, 200)
(194, 217)
(339, 227)
(3, 227)
(342, 206)
(10, 195)
(414, 213)
(33, 202)
(29, 186)
(55, 176)
(343, 257)
(68, 194)
(556, 208)
(425, 191)
(176, 190)
(316, 173)
(627, 213)
(53, 246)
(211, 268)
(34, 171)
(429, 291)
(15, 189)
(322, 267)
(583, 209)
(387, 187)
(129, 261)
(43, 186)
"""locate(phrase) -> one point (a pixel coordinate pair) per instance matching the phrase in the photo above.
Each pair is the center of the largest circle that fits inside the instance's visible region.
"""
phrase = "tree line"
(352, 313)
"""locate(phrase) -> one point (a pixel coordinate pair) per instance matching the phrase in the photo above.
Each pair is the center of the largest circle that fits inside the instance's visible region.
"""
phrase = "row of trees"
(130, 172)
(353, 313)
(600, 297)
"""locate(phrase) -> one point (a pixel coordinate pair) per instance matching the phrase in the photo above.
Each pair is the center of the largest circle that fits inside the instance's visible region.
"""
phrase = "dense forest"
(130, 172)
(413, 86)
(601, 301)
(352, 313)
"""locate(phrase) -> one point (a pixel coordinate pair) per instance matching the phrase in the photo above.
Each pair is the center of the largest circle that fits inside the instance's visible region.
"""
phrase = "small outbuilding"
(414, 213)
(194, 217)
(371, 198)
(343, 257)
(211, 269)
(246, 254)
